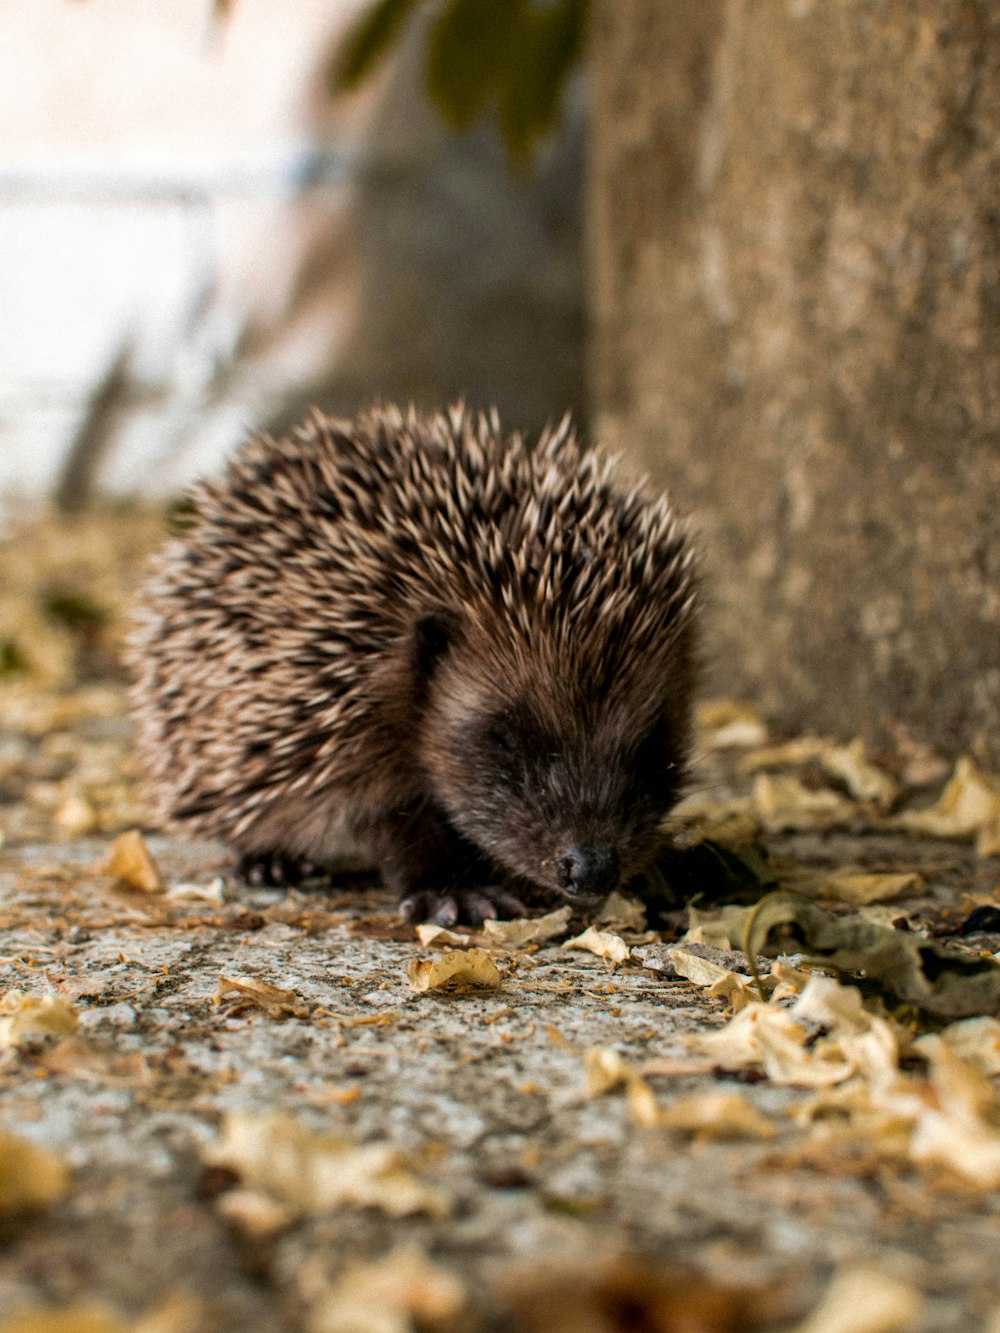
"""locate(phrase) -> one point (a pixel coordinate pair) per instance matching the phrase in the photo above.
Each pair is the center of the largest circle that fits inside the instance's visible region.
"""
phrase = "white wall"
(149, 173)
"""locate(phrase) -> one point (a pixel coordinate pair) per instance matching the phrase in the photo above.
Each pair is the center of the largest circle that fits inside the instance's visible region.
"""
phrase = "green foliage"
(513, 55)
(371, 38)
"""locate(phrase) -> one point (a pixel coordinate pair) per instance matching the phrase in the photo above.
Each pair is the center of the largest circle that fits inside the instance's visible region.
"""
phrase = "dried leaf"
(84, 1318)
(962, 1132)
(861, 889)
(393, 1295)
(604, 943)
(130, 861)
(621, 913)
(717, 1115)
(727, 724)
(272, 999)
(969, 804)
(721, 982)
(974, 1040)
(783, 803)
(948, 982)
(30, 1177)
(456, 972)
(316, 1173)
(603, 1069)
(863, 779)
(528, 930)
(26, 1016)
(439, 937)
(866, 1300)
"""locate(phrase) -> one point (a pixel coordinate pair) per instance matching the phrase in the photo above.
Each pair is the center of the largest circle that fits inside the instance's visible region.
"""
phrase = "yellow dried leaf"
(603, 1069)
(439, 937)
(528, 930)
(131, 862)
(392, 1295)
(642, 1104)
(85, 1318)
(272, 999)
(975, 1040)
(314, 1173)
(622, 913)
(963, 1131)
(721, 982)
(30, 1177)
(604, 943)
(75, 817)
(862, 889)
(457, 971)
(723, 928)
(716, 1115)
(783, 803)
(25, 1016)
(969, 804)
(728, 724)
(866, 1300)
(863, 779)
(255, 1213)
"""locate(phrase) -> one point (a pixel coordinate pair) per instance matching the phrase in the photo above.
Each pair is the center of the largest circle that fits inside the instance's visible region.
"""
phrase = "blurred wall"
(197, 240)
(796, 305)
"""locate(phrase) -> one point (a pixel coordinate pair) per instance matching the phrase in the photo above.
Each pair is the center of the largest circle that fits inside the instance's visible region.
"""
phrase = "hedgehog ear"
(433, 636)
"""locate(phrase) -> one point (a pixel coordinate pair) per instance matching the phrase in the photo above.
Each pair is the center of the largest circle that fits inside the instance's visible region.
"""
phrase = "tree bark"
(795, 271)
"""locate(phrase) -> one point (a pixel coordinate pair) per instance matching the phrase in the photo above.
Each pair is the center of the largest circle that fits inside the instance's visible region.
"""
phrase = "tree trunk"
(795, 253)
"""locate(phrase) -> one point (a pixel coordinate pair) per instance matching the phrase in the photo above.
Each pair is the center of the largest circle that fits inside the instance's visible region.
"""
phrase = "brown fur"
(463, 653)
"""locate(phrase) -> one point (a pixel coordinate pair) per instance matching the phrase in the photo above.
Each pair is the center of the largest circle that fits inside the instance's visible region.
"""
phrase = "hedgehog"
(415, 634)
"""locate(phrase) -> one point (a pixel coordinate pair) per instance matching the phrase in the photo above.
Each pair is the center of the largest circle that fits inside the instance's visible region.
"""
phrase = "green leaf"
(548, 43)
(468, 49)
(370, 39)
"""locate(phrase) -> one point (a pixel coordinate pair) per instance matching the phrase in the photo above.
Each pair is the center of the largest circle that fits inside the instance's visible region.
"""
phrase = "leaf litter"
(894, 1057)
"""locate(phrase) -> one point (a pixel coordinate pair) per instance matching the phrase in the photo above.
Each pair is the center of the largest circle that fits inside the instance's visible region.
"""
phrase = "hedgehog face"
(570, 797)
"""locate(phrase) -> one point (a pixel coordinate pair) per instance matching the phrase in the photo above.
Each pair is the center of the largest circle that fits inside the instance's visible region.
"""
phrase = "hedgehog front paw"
(468, 907)
(274, 870)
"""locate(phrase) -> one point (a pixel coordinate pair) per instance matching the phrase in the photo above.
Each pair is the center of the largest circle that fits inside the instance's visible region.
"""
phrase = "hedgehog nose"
(589, 870)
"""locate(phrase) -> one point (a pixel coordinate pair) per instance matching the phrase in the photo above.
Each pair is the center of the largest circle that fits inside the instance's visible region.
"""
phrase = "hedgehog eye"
(654, 755)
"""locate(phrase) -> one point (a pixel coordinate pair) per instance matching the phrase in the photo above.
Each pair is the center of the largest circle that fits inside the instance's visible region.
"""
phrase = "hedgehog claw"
(470, 907)
(273, 870)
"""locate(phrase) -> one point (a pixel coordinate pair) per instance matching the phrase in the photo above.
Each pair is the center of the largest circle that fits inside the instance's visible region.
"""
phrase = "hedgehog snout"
(588, 870)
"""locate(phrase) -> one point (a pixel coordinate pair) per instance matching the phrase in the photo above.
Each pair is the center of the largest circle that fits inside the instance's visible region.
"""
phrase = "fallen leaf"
(866, 1300)
(261, 994)
(528, 930)
(30, 1177)
(728, 724)
(212, 892)
(604, 943)
(621, 913)
(25, 1016)
(396, 1294)
(84, 1318)
(603, 1069)
(969, 804)
(863, 779)
(861, 889)
(315, 1173)
(439, 937)
(458, 971)
(254, 1212)
(975, 1040)
(948, 982)
(716, 1115)
(720, 982)
(784, 804)
(131, 863)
